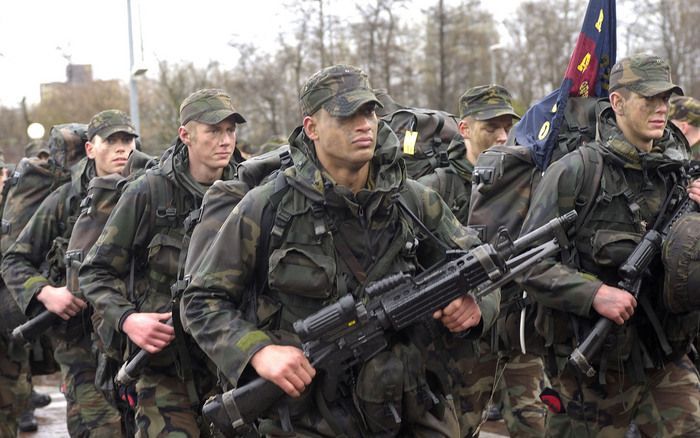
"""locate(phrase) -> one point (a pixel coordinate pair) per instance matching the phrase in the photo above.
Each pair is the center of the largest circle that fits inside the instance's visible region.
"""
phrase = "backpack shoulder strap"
(587, 192)
(271, 230)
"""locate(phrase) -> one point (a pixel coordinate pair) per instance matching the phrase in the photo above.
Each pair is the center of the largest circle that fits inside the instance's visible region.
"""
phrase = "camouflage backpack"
(505, 176)
(425, 135)
(34, 179)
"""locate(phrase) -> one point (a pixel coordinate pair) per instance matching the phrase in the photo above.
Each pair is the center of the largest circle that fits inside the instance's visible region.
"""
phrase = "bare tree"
(669, 28)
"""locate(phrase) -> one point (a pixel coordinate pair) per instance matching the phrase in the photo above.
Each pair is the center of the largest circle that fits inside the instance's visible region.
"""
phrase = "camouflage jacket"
(146, 229)
(454, 183)
(36, 259)
(305, 270)
(632, 190)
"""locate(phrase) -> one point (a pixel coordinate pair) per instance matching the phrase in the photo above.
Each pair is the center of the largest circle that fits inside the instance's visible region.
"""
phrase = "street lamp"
(492, 55)
(134, 72)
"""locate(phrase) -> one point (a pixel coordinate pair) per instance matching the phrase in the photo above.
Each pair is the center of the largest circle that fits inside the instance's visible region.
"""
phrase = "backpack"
(505, 176)
(34, 179)
(425, 135)
(223, 196)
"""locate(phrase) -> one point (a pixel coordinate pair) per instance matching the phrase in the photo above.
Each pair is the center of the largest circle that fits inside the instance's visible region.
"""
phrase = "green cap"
(486, 102)
(647, 75)
(340, 89)
(36, 148)
(685, 108)
(210, 106)
(108, 122)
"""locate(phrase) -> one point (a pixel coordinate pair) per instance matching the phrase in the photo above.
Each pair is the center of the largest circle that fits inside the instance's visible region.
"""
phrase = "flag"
(587, 75)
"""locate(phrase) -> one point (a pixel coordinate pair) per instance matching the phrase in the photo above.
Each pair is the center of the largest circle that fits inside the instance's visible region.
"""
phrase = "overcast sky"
(38, 37)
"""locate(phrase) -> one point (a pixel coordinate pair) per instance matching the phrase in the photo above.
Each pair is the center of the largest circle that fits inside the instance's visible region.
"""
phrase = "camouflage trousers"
(15, 385)
(515, 383)
(88, 412)
(163, 407)
(666, 404)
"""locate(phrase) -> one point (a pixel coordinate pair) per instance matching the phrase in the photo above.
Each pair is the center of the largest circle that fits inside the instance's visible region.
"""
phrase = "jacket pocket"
(611, 248)
(163, 257)
(301, 271)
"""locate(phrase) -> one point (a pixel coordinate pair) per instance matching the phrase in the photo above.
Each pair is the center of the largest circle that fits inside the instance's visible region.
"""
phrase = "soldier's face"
(482, 134)
(110, 154)
(642, 119)
(210, 146)
(344, 142)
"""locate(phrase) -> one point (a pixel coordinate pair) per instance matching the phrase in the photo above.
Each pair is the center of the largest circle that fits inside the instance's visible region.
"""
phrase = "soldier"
(43, 241)
(336, 229)
(128, 273)
(637, 377)
(15, 379)
(487, 114)
(685, 114)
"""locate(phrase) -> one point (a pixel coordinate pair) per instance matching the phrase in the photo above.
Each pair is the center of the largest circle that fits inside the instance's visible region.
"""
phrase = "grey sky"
(37, 37)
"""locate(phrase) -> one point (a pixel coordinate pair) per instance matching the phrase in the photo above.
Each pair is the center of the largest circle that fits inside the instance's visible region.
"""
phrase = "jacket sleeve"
(105, 270)
(442, 222)
(551, 282)
(23, 263)
(211, 306)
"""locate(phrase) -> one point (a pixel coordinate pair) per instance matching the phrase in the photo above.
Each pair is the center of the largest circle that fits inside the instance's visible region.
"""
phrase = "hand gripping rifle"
(350, 332)
(131, 369)
(40, 324)
(631, 273)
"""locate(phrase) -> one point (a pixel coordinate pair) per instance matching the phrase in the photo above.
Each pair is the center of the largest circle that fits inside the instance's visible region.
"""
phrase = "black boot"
(39, 400)
(27, 422)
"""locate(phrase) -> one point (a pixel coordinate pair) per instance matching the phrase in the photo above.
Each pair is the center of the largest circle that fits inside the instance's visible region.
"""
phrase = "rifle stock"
(349, 332)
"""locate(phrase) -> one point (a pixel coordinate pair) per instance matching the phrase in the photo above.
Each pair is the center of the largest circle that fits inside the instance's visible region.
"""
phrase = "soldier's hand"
(285, 366)
(461, 314)
(615, 304)
(148, 330)
(61, 301)
(694, 191)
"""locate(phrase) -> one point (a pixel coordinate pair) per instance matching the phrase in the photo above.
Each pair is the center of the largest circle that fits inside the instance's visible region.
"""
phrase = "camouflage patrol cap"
(486, 102)
(210, 106)
(36, 148)
(685, 108)
(647, 75)
(108, 122)
(340, 89)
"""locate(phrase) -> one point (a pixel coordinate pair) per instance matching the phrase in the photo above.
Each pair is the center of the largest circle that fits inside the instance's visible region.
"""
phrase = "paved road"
(52, 418)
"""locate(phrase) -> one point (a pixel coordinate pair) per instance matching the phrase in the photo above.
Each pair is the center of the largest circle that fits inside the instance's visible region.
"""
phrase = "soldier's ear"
(617, 101)
(464, 129)
(184, 135)
(311, 128)
(90, 148)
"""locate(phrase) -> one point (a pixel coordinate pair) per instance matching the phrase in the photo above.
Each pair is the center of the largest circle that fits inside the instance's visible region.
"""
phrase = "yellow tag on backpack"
(409, 142)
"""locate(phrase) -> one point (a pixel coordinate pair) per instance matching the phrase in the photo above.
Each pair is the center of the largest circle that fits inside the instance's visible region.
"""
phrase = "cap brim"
(214, 117)
(493, 113)
(347, 104)
(652, 88)
(105, 133)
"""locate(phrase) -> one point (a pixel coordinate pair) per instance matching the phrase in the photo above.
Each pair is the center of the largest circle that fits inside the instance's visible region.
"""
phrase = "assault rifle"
(631, 273)
(350, 332)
